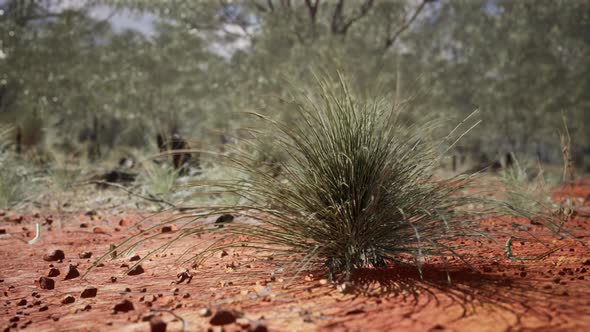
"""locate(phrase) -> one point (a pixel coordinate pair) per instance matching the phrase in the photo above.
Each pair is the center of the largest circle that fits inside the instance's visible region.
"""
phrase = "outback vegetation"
(326, 152)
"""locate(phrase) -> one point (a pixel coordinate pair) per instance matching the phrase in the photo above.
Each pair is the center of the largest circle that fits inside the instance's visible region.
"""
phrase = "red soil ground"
(552, 293)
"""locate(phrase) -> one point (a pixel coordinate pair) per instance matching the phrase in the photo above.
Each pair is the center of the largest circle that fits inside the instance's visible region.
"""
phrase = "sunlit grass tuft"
(355, 189)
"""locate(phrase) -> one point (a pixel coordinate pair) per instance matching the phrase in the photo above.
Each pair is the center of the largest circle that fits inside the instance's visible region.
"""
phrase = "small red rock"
(22, 302)
(85, 254)
(17, 218)
(157, 325)
(89, 292)
(134, 258)
(68, 299)
(55, 255)
(169, 228)
(136, 270)
(124, 222)
(71, 273)
(83, 225)
(222, 317)
(2, 231)
(53, 272)
(46, 283)
(123, 306)
(99, 230)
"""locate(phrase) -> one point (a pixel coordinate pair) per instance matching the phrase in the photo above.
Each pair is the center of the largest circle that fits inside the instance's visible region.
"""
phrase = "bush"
(356, 189)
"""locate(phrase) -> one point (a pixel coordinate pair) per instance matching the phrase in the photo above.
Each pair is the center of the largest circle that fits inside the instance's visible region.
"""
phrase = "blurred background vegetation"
(92, 80)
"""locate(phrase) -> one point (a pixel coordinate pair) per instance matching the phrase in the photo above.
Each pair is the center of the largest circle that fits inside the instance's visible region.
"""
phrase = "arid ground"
(245, 293)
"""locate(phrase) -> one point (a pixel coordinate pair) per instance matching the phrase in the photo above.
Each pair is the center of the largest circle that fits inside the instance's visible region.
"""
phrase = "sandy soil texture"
(235, 291)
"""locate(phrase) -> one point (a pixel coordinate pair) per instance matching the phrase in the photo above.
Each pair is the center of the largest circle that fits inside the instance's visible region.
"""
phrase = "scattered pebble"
(99, 230)
(22, 302)
(169, 228)
(134, 258)
(71, 273)
(157, 325)
(224, 218)
(123, 306)
(53, 272)
(136, 270)
(222, 317)
(259, 327)
(68, 299)
(89, 292)
(46, 283)
(85, 254)
(124, 222)
(55, 255)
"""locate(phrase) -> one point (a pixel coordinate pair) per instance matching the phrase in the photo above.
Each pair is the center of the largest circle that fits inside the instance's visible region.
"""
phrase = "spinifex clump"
(355, 189)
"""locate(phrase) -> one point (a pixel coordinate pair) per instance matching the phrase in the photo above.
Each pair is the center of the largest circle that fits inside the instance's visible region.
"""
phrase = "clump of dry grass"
(356, 189)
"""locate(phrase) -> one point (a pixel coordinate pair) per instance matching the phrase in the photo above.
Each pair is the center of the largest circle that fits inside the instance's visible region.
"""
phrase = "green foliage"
(158, 180)
(356, 189)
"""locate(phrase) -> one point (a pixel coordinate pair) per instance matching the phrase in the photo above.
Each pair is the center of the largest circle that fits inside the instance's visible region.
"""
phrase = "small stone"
(99, 230)
(17, 218)
(44, 308)
(22, 302)
(2, 231)
(14, 319)
(323, 282)
(134, 258)
(71, 273)
(85, 254)
(222, 317)
(89, 292)
(124, 222)
(113, 279)
(224, 218)
(83, 225)
(205, 312)
(68, 299)
(157, 325)
(55, 255)
(259, 327)
(169, 228)
(123, 306)
(222, 254)
(53, 272)
(46, 283)
(136, 270)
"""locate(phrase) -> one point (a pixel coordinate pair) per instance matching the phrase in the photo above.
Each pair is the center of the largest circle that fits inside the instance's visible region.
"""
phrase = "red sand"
(548, 294)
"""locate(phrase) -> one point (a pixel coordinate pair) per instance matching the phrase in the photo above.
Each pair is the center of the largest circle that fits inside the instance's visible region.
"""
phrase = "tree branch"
(391, 39)
(340, 25)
